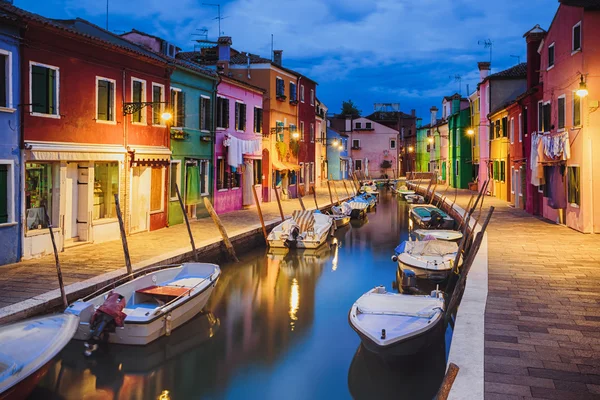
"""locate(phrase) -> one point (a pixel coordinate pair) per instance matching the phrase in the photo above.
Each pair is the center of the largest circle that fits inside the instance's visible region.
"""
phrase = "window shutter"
(244, 117)
(237, 116)
(208, 115)
(3, 193)
(226, 113)
(561, 113)
(52, 100)
(182, 102)
(576, 110)
(255, 119)
(39, 93)
(102, 100)
(201, 108)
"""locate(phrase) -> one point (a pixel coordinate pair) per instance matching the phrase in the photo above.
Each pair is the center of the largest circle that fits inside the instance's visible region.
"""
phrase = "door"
(72, 202)
(140, 199)
(247, 182)
(83, 215)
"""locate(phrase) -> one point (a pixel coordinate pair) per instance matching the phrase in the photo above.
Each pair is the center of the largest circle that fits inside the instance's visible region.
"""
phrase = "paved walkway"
(542, 320)
(27, 279)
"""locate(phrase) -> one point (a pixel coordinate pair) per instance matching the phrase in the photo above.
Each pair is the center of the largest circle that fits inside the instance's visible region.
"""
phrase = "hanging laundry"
(557, 147)
(537, 153)
(238, 147)
(556, 186)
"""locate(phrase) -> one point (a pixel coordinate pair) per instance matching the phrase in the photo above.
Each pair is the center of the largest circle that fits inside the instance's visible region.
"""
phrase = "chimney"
(433, 111)
(413, 112)
(224, 52)
(277, 57)
(533, 38)
(455, 104)
(484, 69)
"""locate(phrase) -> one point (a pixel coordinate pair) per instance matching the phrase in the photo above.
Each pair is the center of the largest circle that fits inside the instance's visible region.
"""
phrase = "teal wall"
(192, 146)
(460, 149)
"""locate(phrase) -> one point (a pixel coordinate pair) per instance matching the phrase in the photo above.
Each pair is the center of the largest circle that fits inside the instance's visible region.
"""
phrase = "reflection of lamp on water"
(294, 302)
(164, 395)
(334, 261)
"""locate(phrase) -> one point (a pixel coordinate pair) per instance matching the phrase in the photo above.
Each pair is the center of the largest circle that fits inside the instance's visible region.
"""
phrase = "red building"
(307, 128)
(82, 142)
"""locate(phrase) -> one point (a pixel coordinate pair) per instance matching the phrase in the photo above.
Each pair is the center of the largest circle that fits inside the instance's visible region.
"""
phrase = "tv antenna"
(518, 59)
(487, 44)
(218, 17)
(458, 78)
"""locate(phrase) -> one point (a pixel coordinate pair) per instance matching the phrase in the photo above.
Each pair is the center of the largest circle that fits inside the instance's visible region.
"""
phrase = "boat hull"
(423, 273)
(311, 243)
(341, 222)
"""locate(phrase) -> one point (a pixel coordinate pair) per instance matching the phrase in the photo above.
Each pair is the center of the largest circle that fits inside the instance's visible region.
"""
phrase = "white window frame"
(362, 164)
(55, 68)
(312, 97)
(178, 167)
(162, 185)
(174, 110)
(207, 177)
(511, 128)
(10, 193)
(549, 67)
(575, 51)
(520, 128)
(302, 93)
(358, 140)
(573, 205)
(202, 96)
(512, 179)
(143, 111)
(9, 84)
(114, 105)
(162, 105)
(395, 146)
(564, 97)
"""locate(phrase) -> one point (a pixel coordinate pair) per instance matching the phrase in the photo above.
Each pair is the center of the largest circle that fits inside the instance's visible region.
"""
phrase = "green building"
(423, 146)
(460, 148)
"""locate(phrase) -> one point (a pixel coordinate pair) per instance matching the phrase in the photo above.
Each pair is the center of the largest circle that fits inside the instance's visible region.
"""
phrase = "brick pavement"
(542, 319)
(24, 280)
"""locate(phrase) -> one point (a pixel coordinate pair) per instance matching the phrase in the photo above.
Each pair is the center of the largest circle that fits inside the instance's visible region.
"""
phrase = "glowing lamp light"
(335, 142)
(430, 140)
(582, 91)
(166, 116)
(295, 135)
(470, 132)
(410, 149)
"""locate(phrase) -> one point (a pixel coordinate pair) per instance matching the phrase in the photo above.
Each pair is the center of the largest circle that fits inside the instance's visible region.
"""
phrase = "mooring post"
(259, 211)
(315, 197)
(61, 284)
(336, 193)
(346, 189)
(448, 381)
(221, 228)
(123, 237)
(279, 203)
(187, 222)
(329, 187)
(301, 202)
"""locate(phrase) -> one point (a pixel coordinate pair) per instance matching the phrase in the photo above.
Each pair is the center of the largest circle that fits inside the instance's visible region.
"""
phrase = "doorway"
(76, 209)
(140, 199)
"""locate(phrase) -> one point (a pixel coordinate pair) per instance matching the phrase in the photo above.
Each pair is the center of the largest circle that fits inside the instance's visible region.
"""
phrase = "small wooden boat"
(359, 208)
(341, 214)
(439, 234)
(427, 216)
(414, 199)
(141, 310)
(393, 324)
(404, 190)
(26, 347)
(428, 259)
(305, 230)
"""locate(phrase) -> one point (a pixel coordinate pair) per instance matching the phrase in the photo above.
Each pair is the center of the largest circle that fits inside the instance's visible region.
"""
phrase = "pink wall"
(375, 144)
(227, 200)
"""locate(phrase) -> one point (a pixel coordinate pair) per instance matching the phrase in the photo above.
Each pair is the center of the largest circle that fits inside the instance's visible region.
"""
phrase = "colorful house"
(423, 146)
(438, 155)
(88, 135)
(473, 132)
(338, 162)
(307, 125)
(459, 150)
(373, 148)
(10, 141)
(321, 144)
(568, 124)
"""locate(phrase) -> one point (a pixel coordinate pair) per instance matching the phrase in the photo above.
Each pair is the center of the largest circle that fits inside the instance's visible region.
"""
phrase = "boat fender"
(395, 258)
(168, 320)
(383, 334)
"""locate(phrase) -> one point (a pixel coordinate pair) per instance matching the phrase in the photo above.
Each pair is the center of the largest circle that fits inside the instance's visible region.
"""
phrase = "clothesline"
(238, 147)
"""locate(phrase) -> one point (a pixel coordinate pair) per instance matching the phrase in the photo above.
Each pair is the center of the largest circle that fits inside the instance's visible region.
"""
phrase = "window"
(497, 128)
(312, 172)
(357, 165)
(511, 130)
(358, 125)
(138, 94)
(573, 193)
(576, 37)
(221, 174)
(106, 185)
(222, 113)
(240, 116)
(105, 99)
(355, 144)
(505, 127)
(301, 131)
(156, 189)
(502, 171)
(280, 88)
(279, 130)
(236, 178)
(312, 97)
(44, 89)
(393, 144)
(7, 192)
(562, 112)
(302, 93)
(178, 104)
(495, 170)
(158, 103)
(293, 95)
(257, 172)
(456, 168)
(41, 182)
(312, 132)
(546, 114)
(576, 110)
(205, 112)
(521, 126)
(368, 125)
(6, 79)
(258, 119)
(513, 181)
(490, 129)
(204, 177)
(540, 116)
(175, 180)
(551, 56)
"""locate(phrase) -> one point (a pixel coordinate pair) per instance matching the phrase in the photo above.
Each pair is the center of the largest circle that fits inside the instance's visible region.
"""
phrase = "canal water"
(276, 327)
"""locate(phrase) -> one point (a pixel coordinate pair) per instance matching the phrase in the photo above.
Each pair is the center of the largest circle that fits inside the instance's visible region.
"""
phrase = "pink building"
(568, 124)
(373, 147)
(238, 145)
(484, 128)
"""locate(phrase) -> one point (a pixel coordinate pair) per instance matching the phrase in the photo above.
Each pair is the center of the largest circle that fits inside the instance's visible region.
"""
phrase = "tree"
(348, 108)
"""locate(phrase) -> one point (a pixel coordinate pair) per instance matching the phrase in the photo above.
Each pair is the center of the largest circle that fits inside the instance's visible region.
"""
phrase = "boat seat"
(139, 311)
(184, 283)
(164, 291)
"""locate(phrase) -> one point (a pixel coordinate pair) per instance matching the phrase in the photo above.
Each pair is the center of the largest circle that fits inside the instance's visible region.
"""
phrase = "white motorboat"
(141, 310)
(305, 230)
(439, 234)
(430, 217)
(26, 347)
(414, 199)
(341, 214)
(393, 324)
(359, 208)
(429, 259)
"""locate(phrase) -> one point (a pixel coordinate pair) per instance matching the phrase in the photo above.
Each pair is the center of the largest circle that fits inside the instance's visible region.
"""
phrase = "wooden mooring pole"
(279, 203)
(315, 197)
(336, 193)
(259, 211)
(346, 189)
(123, 237)
(187, 223)
(61, 284)
(449, 378)
(329, 187)
(301, 202)
(221, 228)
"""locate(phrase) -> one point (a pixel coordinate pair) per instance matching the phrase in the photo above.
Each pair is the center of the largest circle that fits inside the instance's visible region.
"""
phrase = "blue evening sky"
(406, 51)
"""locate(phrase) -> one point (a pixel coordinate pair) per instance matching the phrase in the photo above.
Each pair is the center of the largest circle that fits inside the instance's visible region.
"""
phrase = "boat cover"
(425, 212)
(398, 304)
(358, 205)
(343, 209)
(305, 219)
(427, 248)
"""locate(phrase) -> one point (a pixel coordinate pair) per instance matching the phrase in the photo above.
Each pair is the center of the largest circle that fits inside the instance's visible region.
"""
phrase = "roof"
(519, 71)
(133, 30)
(193, 67)
(243, 83)
(586, 4)
(389, 116)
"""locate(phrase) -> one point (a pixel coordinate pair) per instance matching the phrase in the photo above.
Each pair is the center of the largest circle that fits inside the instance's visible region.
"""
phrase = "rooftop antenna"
(107, 14)
(458, 78)
(219, 18)
(518, 59)
(487, 44)
(271, 47)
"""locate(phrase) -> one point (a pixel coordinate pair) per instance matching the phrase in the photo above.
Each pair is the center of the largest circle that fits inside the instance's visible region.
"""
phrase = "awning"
(150, 155)
(345, 158)
(283, 166)
(46, 151)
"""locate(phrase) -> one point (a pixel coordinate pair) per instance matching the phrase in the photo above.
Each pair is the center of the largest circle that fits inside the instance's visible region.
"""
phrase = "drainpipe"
(126, 164)
(213, 133)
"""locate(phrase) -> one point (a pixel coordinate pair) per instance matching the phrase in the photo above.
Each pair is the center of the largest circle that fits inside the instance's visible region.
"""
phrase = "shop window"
(221, 174)
(240, 116)
(44, 89)
(106, 185)
(156, 189)
(222, 113)
(138, 94)
(178, 106)
(258, 119)
(573, 179)
(205, 113)
(5, 78)
(158, 106)
(175, 179)
(39, 184)
(105, 99)
(257, 172)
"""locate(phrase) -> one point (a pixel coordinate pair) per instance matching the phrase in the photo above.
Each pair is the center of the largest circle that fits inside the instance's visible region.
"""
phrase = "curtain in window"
(573, 179)
(192, 194)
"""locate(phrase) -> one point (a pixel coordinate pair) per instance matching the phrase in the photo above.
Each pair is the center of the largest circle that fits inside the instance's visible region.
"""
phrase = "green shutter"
(39, 89)
(201, 108)
(137, 98)
(3, 193)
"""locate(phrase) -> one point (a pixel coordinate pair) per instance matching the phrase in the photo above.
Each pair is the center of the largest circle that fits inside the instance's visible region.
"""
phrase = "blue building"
(338, 161)
(10, 137)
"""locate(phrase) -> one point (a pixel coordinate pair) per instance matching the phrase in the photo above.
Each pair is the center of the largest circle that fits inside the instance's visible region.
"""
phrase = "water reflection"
(277, 327)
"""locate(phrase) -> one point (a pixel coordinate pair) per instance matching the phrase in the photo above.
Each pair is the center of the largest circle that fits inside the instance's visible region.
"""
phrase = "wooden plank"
(221, 228)
(187, 223)
(259, 211)
(279, 203)
(61, 284)
(123, 237)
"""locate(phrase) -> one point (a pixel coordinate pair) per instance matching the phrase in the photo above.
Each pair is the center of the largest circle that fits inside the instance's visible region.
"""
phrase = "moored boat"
(439, 234)
(430, 217)
(341, 214)
(143, 309)
(414, 199)
(393, 324)
(428, 259)
(359, 208)
(305, 230)
(26, 347)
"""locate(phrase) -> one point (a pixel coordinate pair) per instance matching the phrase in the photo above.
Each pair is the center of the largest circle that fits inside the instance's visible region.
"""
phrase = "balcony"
(355, 147)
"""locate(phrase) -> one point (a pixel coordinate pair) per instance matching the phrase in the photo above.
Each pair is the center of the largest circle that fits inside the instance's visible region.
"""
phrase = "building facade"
(307, 127)
(338, 162)
(373, 148)
(459, 155)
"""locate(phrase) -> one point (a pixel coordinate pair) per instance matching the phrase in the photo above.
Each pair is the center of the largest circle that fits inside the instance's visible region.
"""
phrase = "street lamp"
(295, 135)
(410, 149)
(430, 139)
(470, 132)
(582, 91)
(166, 116)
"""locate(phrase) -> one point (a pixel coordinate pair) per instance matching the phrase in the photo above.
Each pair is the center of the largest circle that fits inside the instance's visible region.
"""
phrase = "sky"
(411, 52)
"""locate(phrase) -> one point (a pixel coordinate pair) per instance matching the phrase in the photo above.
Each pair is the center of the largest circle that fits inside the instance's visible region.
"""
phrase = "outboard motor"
(409, 280)
(108, 316)
(436, 220)
(290, 242)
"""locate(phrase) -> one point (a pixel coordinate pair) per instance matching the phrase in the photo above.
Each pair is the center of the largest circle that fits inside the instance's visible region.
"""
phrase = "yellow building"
(499, 155)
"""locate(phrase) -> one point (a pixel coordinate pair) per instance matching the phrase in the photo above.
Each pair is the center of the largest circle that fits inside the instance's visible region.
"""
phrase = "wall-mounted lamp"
(582, 91)
(296, 135)
(470, 132)
(430, 140)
